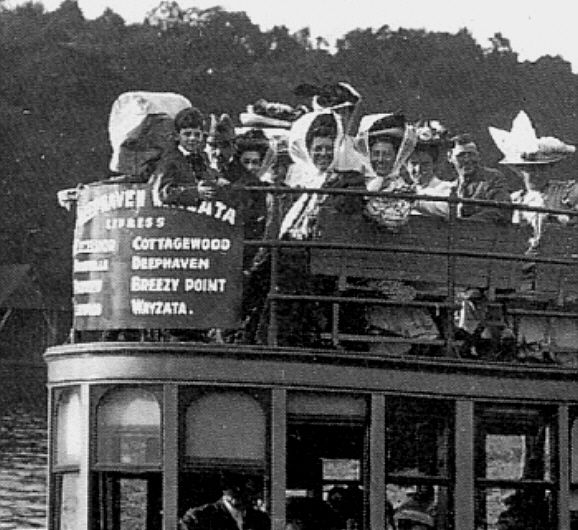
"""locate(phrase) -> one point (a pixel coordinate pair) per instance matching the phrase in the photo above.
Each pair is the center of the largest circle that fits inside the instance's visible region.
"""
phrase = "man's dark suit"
(215, 516)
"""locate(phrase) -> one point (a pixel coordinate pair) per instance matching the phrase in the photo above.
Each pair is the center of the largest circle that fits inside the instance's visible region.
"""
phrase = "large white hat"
(521, 146)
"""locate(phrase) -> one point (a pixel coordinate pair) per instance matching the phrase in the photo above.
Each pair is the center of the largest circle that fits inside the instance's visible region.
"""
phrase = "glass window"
(129, 428)
(226, 425)
(224, 443)
(68, 419)
(418, 434)
(514, 444)
(198, 487)
(326, 460)
(66, 451)
(127, 502)
(327, 405)
(512, 509)
(66, 485)
(514, 467)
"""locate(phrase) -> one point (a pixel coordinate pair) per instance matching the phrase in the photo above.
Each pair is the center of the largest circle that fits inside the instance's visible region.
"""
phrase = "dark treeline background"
(61, 73)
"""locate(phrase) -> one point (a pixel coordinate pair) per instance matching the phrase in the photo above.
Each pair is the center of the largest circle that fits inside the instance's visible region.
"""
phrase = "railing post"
(465, 476)
(278, 457)
(377, 463)
(273, 328)
(452, 210)
(563, 467)
(170, 456)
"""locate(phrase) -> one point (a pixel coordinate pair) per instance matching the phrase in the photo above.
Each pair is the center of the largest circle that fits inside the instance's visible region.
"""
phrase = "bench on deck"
(430, 236)
(428, 270)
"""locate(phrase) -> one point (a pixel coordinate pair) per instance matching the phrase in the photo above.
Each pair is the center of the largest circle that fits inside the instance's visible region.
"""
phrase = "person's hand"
(68, 197)
(332, 180)
(207, 190)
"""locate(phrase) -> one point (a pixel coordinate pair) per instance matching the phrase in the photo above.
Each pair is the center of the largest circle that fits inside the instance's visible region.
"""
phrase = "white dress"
(436, 187)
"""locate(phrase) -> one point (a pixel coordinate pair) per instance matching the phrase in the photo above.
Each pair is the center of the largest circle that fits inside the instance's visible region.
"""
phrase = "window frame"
(521, 412)
(97, 393)
(59, 471)
(444, 481)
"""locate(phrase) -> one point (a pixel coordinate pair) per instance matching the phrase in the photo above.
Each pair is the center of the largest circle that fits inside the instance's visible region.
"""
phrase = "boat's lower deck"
(142, 432)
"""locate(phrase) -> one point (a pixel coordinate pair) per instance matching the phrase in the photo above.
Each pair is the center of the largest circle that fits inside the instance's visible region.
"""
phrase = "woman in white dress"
(422, 166)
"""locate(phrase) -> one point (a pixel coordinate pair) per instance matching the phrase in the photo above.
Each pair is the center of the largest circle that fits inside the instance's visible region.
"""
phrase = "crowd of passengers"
(330, 147)
(333, 147)
(241, 507)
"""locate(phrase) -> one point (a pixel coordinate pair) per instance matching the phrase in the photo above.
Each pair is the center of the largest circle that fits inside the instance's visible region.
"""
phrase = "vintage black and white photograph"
(288, 265)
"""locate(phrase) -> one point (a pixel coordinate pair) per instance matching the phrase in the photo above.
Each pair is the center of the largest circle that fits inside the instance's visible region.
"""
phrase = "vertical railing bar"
(341, 286)
(453, 206)
(273, 331)
(563, 466)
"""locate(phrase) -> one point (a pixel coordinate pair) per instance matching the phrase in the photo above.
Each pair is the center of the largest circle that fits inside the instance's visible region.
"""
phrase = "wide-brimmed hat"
(252, 140)
(432, 133)
(330, 96)
(521, 145)
(389, 125)
(269, 114)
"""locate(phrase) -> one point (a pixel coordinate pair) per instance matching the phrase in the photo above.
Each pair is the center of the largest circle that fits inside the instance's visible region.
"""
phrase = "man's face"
(192, 139)
(251, 161)
(321, 152)
(221, 152)
(467, 163)
(382, 156)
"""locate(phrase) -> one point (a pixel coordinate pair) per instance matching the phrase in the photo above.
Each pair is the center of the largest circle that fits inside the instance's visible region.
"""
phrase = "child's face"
(192, 139)
(251, 161)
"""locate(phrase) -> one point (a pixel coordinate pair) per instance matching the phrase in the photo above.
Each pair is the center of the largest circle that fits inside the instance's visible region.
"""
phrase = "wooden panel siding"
(424, 234)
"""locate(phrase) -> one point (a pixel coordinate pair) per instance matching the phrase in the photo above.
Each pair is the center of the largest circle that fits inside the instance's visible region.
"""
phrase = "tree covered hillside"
(61, 73)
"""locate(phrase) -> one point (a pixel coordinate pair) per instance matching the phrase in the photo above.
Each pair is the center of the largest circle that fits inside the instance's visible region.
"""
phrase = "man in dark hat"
(235, 510)
(478, 182)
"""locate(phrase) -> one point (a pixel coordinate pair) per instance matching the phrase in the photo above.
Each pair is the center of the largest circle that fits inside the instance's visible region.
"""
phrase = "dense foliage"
(61, 73)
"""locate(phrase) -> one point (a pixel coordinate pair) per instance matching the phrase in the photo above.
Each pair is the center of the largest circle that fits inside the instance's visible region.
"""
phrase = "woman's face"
(251, 161)
(421, 167)
(321, 152)
(382, 156)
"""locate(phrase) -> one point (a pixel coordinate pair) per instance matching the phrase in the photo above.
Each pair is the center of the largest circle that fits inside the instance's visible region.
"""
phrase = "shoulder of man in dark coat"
(206, 517)
(198, 516)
